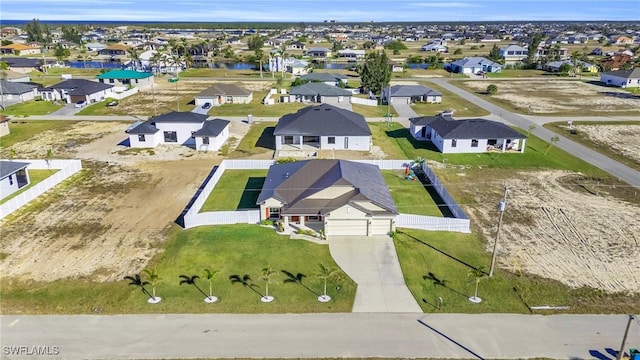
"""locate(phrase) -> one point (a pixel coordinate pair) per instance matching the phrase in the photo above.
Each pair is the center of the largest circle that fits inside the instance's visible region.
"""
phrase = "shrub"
(266, 222)
(492, 89)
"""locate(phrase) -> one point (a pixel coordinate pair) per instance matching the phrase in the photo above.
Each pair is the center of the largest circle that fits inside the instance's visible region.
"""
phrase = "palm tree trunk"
(325, 287)
(475, 294)
(267, 290)
(153, 289)
(210, 289)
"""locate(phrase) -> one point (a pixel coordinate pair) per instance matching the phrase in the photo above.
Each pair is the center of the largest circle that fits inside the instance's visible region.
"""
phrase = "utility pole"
(502, 205)
(624, 338)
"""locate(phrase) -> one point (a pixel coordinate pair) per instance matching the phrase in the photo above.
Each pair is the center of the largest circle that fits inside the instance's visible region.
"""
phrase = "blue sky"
(319, 10)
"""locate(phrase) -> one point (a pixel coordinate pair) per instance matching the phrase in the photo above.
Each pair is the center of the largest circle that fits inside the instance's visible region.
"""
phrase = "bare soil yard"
(624, 139)
(560, 97)
(111, 218)
(562, 226)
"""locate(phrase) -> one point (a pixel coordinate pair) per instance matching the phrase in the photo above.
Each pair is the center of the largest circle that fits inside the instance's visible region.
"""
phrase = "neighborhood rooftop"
(449, 128)
(9, 167)
(323, 120)
(124, 74)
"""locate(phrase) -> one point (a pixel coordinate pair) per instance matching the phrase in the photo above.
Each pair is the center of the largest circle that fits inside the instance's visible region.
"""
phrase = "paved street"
(613, 167)
(502, 336)
(373, 264)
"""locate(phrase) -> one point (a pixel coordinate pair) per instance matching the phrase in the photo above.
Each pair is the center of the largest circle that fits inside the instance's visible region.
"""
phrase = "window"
(454, 142)
(492, 142)
(11, 179)
(205, 140)
(170, 137)
(287, 139)
(229, 99)
(346, 142)
(474, 142)
(331, 140)
(141, 138)
(274, 213)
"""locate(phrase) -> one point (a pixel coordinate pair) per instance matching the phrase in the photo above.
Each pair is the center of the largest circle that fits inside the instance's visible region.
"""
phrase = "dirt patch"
(565, 227)
(557, 96)
(621, 138)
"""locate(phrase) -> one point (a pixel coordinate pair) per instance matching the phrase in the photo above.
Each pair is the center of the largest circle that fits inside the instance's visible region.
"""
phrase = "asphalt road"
(502, 336)
(623, 172)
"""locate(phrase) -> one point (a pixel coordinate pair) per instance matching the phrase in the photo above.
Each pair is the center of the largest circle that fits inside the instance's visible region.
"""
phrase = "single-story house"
(114, 51)
(339, 197)
(622, 78)
(296, 66)
(13, 176)
(128, 78)
(15, 76)
(219, 94)
(327, 78)
(13, 92)
(410, 94)
(95, 46)
(319, 93)
(296, 45)
(434, 47)
(23, 65)
(318, 52)
(183, 128)
(4, 126)
(213, 134)
(351, 54)
(513, 54)
(472, 65)
(555, 66)
(74, 90)
(466, 136)
(19, 49)
(323, 127)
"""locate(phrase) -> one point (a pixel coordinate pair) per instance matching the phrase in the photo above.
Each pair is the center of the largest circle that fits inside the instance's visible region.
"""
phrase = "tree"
(494, 53)
(267, 277)
(553, 140)
(532, 48)
(492, 89)
(457, 52)
(326, 273)
(565, 68)
(153, 280)
(61, 53)
(137, 281)
(34, 30)
(477, 274)
(395, 46)
(135, 57)
(368, 45)
(255, 42)
(209, 275)
(49, 158)
(72, 34)
(337, 45)
(375, 72)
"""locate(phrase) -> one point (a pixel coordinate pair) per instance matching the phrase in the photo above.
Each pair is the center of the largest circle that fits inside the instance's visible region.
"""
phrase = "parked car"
(206, 105)
(80, 104)
(112, 103)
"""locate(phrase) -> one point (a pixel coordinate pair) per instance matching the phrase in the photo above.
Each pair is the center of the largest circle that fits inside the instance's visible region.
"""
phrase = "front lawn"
(259, 139)
(256, 108)
(437, 265)
(410, 197)
(461, 107)
(374, 111)
(33, 107)
(397, 142)
(234, 250)
(35, 177)
(236, 189)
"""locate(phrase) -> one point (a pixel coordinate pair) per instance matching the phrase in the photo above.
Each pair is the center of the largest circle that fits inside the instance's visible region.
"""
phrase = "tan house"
(219, 94)
(338, 197)
(19, 49)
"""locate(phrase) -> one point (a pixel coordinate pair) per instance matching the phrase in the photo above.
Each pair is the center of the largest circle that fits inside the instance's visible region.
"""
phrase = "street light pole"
(624, 338)
(502, 205)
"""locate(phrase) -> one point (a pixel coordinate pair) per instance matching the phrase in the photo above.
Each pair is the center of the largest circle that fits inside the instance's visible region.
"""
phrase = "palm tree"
(155, 60)
(137, 281)
(325, 273)
(476, 274)
(135, 57)
(209, 275)
(153, 281)
(553, 140)
(267, 277)
(191, 280)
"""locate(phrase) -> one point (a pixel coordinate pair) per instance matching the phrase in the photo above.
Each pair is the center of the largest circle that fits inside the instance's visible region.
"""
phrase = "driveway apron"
(373, 264)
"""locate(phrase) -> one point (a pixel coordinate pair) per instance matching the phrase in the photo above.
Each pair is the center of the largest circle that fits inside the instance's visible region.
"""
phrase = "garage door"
(346, 227)
(380, 226)
(330, 99)
(75, 98)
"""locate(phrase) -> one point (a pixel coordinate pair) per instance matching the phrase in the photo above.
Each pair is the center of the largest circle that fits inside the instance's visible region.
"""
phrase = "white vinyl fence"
(361, 101)
(193, 217)
(124, 94)
(66, 169)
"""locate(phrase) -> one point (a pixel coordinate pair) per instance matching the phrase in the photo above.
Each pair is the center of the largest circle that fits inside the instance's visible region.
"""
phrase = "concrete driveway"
(373, 264)
(404, 110)
(199, 110)
(68, 109)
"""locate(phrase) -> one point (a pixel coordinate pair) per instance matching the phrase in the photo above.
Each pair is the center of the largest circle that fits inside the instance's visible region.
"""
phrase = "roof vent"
(285, 176)
(327, 109)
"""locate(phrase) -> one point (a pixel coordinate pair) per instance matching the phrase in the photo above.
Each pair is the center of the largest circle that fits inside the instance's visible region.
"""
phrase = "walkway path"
(613, 167)
(453, 336)
(373, 264)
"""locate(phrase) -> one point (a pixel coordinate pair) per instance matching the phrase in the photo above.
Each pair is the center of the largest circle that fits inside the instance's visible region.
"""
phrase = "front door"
(423, 132)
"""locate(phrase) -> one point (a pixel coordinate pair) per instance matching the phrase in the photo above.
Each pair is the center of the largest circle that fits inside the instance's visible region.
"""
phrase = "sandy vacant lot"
(562, 96)
(623, 139)
(563, 226)
(113, 217)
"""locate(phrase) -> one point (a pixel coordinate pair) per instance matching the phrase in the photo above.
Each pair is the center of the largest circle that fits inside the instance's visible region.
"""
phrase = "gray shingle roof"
(212, 127)
(223, 89)
(179, 117)
(323, 120)
(79, 86)
(448, 128)
(324, 77)
(322, 89)
(475, 62)
(142, 128)
(15, 88)
(412, 90)
(293, 183)
(9, 167)
(627, 74)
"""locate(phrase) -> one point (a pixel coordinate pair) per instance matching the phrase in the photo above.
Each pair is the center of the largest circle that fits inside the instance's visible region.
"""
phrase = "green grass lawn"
(34, 107)
(398, 143)
(437, 264)
(256, 108)
(99, 108)
(236, 189)
(259, 139)
(22, 130)
(373, 111)
(35, 177)
(461, 107)
(410, 196)
(603, 148)
(234, 250)
(519, 73)
(73, 71)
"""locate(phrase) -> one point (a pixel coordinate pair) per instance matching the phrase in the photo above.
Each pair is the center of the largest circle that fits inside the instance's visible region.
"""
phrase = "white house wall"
(358, 143)
(183, 131)
(619, 81)
(150, 140)
(6, 186)
(215, 143)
